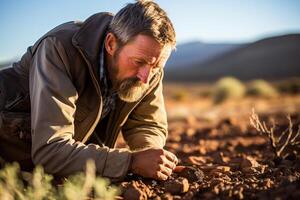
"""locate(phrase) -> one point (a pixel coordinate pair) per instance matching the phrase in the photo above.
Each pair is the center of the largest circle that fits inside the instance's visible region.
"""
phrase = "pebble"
(248, 161)
(177, 186)
(136, 190)
(192, 174)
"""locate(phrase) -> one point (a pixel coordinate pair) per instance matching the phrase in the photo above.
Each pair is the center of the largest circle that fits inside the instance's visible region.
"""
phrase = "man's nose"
(143, 73)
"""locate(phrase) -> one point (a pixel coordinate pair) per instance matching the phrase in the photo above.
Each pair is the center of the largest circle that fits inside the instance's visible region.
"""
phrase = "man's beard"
(131, 89)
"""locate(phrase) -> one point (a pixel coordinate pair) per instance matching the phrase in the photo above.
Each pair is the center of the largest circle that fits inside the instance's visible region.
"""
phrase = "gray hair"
(143, 17)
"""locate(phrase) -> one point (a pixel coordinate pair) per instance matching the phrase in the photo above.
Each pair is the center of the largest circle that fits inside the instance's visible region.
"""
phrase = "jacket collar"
(90, 37)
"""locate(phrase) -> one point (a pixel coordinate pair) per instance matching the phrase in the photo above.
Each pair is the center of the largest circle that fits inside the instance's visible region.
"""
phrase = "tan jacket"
(59, 74)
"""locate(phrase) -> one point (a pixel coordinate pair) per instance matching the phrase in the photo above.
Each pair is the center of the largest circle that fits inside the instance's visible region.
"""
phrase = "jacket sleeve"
(147, 124)
(53, 98)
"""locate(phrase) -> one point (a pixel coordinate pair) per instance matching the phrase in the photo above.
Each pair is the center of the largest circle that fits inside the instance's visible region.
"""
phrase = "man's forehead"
(148, 46)
(163, 54)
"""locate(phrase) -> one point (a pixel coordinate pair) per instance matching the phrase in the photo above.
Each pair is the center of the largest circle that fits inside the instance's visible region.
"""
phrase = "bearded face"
(131, 66)
(129, 89)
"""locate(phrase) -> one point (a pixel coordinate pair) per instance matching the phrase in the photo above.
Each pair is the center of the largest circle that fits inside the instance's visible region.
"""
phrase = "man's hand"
(153, 163)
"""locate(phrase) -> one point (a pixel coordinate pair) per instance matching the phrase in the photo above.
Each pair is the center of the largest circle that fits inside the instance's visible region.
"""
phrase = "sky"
(22, 22)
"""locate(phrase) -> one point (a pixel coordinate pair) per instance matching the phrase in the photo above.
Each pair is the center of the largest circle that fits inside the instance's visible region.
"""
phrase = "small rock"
(289, 179)
(226, 178)
(208, 195)
(177, 186)
(167, 196)
(156, 198)
(221, 169)
(177, 197)
(136, 190)
(219, 158)
(196, 160)
(134, 193)
(262, 168)
(191, 120)
(249, 170)
(192, 174)
(187, 149)
(188, 196)
(248, 161)
(190, 132)
(215, 174)
(268, 183)
(202, 150)
(216, 181)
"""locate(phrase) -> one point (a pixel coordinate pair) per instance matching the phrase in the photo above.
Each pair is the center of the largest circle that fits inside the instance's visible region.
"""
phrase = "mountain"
(197, 52)
(5, 64)
(271, 58)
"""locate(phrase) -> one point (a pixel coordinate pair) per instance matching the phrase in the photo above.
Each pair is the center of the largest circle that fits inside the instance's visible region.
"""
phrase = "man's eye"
(138, 62)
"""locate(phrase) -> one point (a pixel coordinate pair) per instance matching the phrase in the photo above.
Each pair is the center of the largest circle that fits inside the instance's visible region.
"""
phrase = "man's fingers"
(169, 163)
(166, 171)
(161, 176)
(171, 156)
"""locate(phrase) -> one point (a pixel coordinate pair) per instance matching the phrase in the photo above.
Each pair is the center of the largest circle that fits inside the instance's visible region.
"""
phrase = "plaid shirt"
(108, 95)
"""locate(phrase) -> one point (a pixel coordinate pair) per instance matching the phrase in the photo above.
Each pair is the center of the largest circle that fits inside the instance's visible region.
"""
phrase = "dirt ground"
(224, 156)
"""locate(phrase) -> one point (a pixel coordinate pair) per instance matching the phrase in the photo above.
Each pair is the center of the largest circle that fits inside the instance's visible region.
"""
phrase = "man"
(80, 85)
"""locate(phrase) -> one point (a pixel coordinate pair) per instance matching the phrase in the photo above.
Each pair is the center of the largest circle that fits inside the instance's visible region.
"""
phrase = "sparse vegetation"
(279, 142)
(228, 88)
(261, 88)
(180, 95)
(290, 86)
(25, 186)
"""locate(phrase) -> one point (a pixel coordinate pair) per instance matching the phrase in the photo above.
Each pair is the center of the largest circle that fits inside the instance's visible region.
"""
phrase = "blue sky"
(22, 22)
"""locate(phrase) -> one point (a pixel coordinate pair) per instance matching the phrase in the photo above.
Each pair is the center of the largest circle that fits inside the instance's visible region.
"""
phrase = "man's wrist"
(130, 168)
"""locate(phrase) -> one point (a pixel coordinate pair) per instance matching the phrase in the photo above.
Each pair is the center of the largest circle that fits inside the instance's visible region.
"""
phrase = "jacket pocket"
(15, 125)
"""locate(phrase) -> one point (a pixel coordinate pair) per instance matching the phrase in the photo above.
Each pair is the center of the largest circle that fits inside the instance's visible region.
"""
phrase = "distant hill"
(197, 52)
(5, 64)
(271, 58)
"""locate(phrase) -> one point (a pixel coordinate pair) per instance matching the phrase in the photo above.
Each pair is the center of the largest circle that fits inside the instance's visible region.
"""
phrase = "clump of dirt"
(224, 160)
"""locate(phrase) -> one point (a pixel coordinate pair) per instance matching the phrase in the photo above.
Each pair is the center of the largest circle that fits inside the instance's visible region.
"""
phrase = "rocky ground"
(224, 159)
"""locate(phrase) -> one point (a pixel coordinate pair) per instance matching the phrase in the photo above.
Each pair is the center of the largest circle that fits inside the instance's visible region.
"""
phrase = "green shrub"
(261, 88)
(180, 95)
(228, 88)
(291, 86)
(38, 186)
(205, 93)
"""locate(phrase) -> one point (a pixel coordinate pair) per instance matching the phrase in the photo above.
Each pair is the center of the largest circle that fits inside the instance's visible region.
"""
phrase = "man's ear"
(111, 43)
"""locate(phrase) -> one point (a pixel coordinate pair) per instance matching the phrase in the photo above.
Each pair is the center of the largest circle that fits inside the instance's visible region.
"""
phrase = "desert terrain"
(223, 155)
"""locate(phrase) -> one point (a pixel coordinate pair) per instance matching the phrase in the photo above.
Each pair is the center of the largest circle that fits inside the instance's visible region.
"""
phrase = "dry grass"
(39, 185)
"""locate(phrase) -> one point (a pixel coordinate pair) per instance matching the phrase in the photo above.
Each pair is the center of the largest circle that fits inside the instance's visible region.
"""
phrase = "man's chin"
(132, 95)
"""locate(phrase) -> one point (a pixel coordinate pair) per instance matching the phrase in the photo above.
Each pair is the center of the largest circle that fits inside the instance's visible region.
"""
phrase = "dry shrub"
(228, 88)
(280, 142)
(261, 88)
